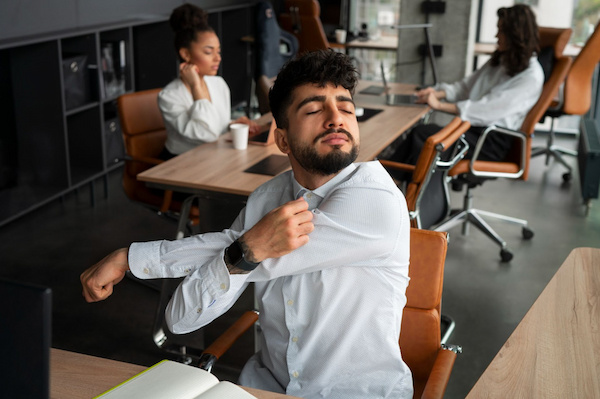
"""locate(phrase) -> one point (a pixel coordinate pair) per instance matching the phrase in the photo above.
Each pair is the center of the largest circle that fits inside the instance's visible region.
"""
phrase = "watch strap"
(235, 254)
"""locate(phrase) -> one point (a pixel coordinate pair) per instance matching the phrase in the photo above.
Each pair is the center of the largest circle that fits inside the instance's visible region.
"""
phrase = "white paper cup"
(239, 134)
(340, 36)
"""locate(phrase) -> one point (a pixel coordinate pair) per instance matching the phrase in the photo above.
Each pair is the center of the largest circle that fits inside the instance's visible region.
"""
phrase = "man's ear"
(184, 54)
(281, 140)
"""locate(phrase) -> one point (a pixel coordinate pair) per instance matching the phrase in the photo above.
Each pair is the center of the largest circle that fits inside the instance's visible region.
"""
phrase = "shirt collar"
(322, 191)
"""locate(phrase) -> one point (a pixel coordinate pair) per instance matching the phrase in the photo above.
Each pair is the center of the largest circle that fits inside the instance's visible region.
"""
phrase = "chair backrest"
(426, 193)
(578, 84)
(552, 44)
(303, 19)
(420, 336)
(144, 135)
(269, 40)
(551, 87)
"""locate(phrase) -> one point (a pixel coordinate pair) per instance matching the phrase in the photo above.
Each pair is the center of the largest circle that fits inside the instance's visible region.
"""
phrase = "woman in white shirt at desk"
(196, 106)
(500, 93)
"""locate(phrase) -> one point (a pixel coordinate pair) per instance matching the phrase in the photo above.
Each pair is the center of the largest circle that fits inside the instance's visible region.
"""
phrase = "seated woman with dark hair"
(500, 93)
(196, 106)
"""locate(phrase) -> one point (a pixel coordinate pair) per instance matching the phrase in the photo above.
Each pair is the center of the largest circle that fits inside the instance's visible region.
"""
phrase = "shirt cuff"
(144, 259)
(216, 276)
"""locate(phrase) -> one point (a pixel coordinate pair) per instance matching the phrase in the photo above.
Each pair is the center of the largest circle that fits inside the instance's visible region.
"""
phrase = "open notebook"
(172, 380)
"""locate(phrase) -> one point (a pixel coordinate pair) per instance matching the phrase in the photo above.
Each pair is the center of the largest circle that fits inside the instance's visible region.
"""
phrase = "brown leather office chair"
(426, 204)
(144, 135)
(575, 98)
(430, 362)
(420, 342)
(474, 172)
(303, 19)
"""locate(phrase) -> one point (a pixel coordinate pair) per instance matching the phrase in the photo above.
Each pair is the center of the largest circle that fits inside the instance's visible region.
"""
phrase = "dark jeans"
(495, 148)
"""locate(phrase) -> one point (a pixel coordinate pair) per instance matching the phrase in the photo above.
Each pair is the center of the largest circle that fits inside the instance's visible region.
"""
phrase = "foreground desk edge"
(555, 350)
(75, 376)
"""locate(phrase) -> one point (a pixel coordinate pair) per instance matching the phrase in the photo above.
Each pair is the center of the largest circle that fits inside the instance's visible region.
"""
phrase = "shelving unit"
(55, 140)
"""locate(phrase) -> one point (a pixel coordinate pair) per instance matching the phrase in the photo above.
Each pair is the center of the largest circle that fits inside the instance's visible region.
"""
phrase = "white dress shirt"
(330, 311)
(490, 96)
(190, 123)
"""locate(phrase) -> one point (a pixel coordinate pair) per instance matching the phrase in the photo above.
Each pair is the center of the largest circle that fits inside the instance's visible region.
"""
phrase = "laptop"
(26, 335)
(375, 89)
(265, 137)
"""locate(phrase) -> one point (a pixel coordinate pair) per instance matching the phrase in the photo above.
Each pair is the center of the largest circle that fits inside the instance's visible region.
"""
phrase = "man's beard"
(328, 164)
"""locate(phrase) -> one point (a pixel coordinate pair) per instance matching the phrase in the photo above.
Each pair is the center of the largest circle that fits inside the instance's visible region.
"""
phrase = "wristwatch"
(235, 255)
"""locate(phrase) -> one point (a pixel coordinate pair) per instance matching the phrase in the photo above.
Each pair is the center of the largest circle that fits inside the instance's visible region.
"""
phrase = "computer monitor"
(25, 339)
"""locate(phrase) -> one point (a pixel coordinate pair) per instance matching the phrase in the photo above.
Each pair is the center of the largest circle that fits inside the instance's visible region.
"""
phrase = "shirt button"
(295, 339)
(146, 271)
(309, 195)
(295, 374)
(290, 302)
(223, 286)
(187, 270)
(199, 310)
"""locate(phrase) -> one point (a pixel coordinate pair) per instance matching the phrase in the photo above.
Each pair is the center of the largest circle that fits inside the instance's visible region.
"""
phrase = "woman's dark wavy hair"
(186, 22)
(522, 37)
(321, 67)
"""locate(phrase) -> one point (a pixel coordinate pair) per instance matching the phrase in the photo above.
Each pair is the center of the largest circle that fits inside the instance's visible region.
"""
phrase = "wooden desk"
(218, 167)
(76, 376)
(389, 43)
(555, 350)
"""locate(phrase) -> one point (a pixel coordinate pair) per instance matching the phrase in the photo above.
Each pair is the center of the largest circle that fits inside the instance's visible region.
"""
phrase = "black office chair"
(426, 193)
(274, 47)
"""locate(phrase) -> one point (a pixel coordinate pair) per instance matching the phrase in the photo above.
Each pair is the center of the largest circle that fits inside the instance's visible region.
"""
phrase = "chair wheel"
(527, 233)
(567, 177)
(506, 255)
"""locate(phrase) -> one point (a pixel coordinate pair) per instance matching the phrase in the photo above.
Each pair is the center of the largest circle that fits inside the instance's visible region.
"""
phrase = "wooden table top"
(381, 43)
(76, 376)
(555, 350)
(218, 167)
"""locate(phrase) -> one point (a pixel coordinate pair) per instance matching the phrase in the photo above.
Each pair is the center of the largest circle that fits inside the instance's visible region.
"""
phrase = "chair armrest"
(440, 375)
(397, 165)
(462, 149)
(502, 130)
(226, 340)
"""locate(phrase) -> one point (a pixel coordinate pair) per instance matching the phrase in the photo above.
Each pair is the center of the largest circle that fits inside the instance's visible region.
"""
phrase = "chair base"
(554, 151)
(474, 216)
(557, 153)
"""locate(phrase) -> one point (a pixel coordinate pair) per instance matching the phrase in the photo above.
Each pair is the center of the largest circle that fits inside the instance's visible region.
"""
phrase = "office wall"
(454, 30)
(38, 17)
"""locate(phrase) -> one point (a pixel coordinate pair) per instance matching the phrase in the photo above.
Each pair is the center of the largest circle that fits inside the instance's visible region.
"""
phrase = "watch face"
(235, 254)
(236, 257)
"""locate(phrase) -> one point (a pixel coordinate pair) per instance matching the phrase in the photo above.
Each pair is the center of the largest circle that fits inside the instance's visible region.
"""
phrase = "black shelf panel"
(60, 122)
(20, 200)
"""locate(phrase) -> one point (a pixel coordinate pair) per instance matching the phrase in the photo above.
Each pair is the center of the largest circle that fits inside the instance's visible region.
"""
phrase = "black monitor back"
(25, 340)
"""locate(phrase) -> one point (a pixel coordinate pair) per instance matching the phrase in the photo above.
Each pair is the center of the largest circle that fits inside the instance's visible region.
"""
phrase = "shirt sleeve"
(514, 97)
(203, 120)
(207, 290)
(355, 227)
(461, 89)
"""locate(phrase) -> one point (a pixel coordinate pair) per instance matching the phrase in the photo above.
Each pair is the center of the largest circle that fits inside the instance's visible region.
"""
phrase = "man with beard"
(326, 244)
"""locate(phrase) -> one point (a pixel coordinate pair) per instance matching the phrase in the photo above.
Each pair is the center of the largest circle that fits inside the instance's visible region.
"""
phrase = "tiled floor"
(487, 298)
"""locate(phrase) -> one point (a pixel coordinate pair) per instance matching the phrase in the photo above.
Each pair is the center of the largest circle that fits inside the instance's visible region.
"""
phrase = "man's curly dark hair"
(321, 67)
(521, 32)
